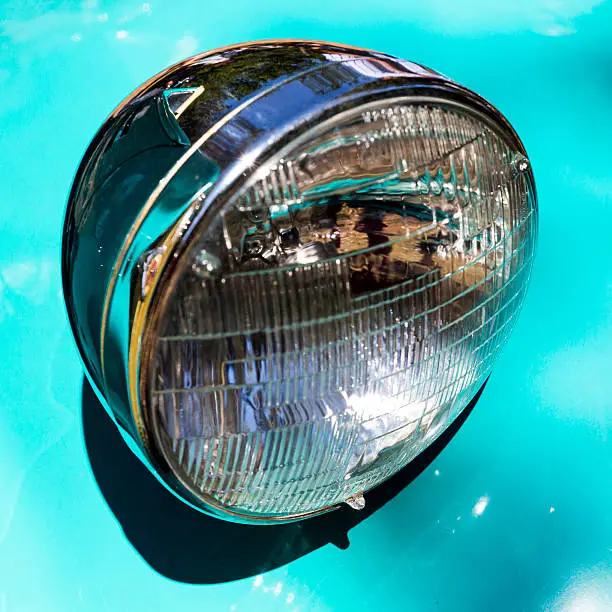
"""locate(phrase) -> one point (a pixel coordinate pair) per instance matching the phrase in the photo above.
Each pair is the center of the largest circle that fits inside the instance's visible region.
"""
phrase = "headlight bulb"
(289, 266)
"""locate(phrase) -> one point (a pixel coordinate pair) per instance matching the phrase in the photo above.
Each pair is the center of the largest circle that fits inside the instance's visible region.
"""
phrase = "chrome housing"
(181, 142)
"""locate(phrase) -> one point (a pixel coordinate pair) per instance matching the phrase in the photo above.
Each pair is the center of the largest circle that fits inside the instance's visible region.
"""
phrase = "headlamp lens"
(339, 311)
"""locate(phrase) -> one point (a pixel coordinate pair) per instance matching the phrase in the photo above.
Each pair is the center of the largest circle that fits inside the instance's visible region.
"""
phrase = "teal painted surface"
(516, 512)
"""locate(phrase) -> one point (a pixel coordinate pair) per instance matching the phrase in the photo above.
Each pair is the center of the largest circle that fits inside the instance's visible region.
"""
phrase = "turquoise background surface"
(514, 514)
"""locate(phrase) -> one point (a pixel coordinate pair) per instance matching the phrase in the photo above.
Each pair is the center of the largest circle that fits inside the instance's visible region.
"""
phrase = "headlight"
(290, 265)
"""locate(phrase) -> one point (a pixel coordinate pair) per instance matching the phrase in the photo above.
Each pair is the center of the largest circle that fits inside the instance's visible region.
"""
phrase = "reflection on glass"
(342, 308)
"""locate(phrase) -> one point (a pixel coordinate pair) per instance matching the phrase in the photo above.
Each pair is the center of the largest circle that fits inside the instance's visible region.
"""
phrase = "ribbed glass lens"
(342, 309)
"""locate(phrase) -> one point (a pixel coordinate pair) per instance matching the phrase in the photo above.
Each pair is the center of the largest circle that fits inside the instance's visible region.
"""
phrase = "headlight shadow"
(185, 545)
